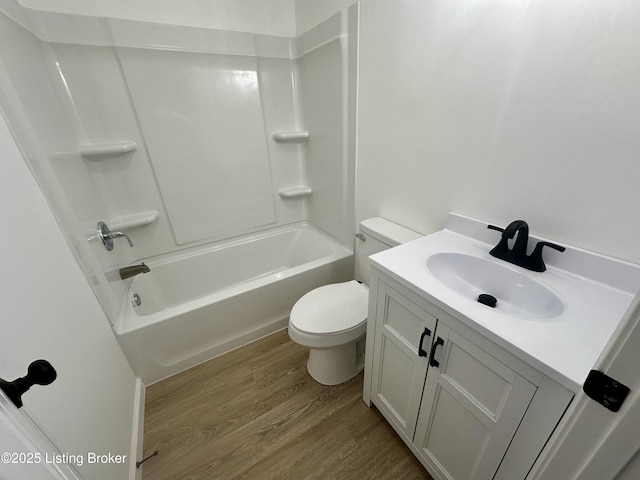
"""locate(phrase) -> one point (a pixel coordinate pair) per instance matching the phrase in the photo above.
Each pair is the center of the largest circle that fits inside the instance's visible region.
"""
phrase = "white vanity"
(475, 391)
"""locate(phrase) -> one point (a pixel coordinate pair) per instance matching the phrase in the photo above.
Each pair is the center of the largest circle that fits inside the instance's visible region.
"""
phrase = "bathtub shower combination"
(198, 304)
(227, 158)
(263, 249)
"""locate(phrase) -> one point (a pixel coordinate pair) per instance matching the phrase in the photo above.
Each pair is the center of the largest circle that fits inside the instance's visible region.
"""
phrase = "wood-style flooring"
(255, 413)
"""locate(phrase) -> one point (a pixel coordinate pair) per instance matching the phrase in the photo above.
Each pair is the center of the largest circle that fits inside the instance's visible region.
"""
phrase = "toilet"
(332, 320)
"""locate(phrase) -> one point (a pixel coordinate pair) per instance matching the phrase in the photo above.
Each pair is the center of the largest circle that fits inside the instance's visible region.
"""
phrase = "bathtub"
(198, 304)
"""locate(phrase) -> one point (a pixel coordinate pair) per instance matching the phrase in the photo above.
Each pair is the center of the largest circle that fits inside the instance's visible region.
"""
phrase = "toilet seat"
(330, 315)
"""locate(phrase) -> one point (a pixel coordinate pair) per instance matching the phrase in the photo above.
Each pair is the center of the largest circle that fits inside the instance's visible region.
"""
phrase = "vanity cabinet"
(404, 332)
(470, 401)
(467, 408)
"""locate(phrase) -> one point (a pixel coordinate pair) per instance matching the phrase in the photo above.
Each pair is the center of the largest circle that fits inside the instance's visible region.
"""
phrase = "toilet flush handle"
(360, 236)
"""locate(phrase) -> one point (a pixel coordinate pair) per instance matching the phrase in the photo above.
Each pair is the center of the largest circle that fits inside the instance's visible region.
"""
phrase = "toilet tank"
(378, 234)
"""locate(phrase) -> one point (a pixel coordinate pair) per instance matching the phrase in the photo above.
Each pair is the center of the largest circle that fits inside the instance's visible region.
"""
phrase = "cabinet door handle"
(421, 351)
(432, 359)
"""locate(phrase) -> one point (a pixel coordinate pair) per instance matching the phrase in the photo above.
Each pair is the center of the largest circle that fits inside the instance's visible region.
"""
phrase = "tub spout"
(133, 270)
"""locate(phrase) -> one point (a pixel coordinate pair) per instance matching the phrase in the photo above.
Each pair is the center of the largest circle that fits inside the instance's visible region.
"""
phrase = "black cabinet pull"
(40, 372)
(432, 359)
(421, 351)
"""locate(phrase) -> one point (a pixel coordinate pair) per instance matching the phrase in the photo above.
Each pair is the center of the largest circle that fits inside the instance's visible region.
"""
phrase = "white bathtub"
(204, 302)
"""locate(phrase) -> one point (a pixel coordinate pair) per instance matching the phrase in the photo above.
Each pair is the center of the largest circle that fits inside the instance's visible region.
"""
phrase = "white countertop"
(596, 292)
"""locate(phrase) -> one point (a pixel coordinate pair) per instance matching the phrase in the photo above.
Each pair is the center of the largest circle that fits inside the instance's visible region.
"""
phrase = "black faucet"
(518, 254)
(519, 251)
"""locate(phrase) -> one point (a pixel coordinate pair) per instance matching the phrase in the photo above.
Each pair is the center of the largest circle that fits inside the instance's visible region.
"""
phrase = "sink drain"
(488, 300)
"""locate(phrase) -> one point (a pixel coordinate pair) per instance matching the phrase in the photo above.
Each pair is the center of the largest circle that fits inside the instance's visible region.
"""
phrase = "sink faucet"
(518, 254)
(519, 250)
(133, 270)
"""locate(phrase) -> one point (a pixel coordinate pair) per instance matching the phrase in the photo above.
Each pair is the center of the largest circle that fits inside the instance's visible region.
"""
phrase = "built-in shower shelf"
(96, 151)
(127, 222)
(291, 136)
(295, 192)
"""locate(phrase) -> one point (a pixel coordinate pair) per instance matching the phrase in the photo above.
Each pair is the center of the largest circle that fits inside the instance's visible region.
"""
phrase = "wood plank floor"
(255, 413)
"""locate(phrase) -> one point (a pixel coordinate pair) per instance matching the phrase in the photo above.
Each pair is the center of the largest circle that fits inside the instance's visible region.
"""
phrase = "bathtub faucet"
(133, 270)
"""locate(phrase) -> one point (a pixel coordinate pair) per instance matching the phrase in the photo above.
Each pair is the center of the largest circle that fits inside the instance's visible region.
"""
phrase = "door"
(591, 442)
(471, 407)
(402, 346)
(25, 452)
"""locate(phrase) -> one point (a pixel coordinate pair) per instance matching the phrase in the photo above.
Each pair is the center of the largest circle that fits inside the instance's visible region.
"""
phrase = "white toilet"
(332, 320)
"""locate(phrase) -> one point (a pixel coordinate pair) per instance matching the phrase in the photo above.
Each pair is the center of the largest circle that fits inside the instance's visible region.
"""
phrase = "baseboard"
(138, 430)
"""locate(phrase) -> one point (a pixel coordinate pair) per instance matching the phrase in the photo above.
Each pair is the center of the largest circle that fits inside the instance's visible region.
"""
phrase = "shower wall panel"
(202, 120)
(40, 120)
(327, 61)
(322, 94)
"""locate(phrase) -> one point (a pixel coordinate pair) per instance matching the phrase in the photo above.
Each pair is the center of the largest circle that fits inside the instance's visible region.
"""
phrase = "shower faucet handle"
(107, 236)
(121, 234)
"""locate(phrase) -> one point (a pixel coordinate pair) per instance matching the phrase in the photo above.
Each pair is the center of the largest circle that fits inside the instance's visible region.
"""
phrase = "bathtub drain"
(136, 300)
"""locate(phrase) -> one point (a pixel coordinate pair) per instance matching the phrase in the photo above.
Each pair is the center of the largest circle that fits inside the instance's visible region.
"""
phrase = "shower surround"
(183, 138)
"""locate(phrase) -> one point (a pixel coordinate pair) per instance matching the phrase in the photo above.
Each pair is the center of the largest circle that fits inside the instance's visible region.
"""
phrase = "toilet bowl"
(332, 320)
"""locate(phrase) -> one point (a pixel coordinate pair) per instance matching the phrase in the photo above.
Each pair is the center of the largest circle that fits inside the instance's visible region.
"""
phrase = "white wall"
(48, 311)
(499, 110)
(503, 110)
(272, 17)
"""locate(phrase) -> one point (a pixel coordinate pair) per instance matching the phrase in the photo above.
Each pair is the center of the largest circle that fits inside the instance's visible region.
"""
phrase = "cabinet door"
(402, 345)
(471, 407)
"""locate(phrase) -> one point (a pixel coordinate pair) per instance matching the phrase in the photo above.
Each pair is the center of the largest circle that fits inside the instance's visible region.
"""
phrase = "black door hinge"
(605, 390)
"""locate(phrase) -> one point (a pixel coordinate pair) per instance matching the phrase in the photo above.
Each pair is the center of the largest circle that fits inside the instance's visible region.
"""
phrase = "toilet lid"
(331, 308)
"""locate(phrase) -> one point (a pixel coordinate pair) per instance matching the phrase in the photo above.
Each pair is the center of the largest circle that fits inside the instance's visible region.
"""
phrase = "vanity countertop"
(595, 290)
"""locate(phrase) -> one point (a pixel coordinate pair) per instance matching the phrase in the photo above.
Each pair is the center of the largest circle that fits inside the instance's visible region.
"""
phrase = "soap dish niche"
(99, 151)
(290, 136)
(135, 220)
(295, 192)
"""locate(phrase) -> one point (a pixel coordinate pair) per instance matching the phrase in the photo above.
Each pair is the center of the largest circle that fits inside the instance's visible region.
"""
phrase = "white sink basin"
(517, 294)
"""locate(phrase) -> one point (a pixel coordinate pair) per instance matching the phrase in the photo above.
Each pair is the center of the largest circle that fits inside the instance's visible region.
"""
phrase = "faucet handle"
(121, 234)
(536, 263)
(502, 248)
(107, 236)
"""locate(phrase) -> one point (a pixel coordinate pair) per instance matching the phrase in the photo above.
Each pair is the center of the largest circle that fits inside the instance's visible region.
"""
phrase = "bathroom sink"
(517, 294)
(558, 321)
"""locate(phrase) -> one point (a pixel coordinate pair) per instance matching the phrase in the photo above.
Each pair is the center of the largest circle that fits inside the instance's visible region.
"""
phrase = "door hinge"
(605, 390)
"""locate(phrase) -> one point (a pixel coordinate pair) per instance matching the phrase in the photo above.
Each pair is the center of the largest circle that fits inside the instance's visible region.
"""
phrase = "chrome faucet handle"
(107, 236)
(121, 234)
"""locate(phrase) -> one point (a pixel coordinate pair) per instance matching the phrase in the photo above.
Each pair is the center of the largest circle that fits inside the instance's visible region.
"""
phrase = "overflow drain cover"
(137, 300)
